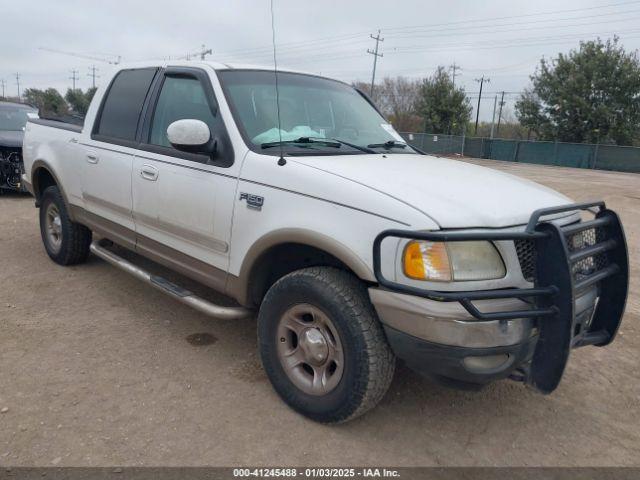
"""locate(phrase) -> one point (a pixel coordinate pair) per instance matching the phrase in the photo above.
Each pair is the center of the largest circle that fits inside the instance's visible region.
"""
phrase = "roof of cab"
(201, 63)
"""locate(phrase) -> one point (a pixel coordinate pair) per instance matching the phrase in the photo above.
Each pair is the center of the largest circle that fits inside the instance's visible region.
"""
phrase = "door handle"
(92, 158)
(149, 172)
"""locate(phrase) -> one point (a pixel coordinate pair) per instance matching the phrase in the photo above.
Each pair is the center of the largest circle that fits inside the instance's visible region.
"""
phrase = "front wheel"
(322, 345)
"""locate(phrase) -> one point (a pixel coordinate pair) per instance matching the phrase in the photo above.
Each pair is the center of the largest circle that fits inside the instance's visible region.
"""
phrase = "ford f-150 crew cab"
(299, 201)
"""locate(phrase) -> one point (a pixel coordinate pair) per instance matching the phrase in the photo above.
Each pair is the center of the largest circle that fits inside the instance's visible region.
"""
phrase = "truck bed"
(57, 124)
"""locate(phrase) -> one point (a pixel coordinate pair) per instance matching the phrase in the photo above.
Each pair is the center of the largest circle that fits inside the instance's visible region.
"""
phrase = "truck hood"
(10, 138)
(454, 194)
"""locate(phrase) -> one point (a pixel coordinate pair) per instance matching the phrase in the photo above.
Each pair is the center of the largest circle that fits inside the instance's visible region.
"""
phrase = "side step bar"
(179, 293)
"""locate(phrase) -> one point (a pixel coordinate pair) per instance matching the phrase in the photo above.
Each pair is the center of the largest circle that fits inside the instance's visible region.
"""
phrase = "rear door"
(108, 154)
(182, 202)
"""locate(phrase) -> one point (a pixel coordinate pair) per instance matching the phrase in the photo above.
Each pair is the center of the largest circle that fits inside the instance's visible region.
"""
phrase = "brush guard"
(564, 269)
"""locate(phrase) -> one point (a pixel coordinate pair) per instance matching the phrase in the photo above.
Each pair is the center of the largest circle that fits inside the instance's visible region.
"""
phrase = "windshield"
(13, 118)
(310, 108)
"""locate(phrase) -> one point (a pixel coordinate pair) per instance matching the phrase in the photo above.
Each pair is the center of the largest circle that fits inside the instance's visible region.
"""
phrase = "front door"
(182, 202)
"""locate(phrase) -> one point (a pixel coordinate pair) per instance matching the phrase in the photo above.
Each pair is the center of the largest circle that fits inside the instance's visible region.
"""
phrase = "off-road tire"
(369, 363)
(75, 238)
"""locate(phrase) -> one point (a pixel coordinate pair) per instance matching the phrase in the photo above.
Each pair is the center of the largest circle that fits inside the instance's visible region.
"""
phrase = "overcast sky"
(501, 39)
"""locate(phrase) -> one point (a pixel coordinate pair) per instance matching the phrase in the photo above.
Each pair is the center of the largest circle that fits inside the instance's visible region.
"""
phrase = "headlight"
(452, 261)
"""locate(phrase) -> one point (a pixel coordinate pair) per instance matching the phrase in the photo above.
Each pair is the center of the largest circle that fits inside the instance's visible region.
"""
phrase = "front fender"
(238, 287)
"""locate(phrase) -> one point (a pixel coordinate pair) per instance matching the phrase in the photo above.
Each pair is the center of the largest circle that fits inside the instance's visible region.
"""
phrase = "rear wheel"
(66, 242)
(322, 345)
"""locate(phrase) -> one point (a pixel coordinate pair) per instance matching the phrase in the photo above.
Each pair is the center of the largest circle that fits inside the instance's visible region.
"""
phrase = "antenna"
(281, 160)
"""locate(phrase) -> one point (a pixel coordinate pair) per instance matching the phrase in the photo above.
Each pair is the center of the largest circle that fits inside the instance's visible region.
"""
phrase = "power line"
(456, 31)
(507, 43)
(115, 61)
(300, 57)
(494, 30)
(306, 44)
(375, 58)
(487, 19)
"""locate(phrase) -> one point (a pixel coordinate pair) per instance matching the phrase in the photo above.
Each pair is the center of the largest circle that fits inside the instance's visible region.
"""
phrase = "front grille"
(588, 238)
(526, 251)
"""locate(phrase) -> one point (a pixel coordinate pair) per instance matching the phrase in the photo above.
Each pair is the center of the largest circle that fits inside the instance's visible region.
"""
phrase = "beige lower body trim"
(184, 264)
(123, 236)
(190, 267)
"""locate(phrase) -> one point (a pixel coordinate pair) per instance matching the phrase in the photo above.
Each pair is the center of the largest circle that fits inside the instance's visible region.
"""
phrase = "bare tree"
(397, 99)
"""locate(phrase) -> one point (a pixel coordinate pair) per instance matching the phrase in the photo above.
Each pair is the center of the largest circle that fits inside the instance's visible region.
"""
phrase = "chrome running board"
(171, 289)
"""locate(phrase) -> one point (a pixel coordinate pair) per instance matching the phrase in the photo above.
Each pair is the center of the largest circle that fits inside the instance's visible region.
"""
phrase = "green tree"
(590, 95)
(90, 93)
(78, 100)
(444, 107)
(49, 102)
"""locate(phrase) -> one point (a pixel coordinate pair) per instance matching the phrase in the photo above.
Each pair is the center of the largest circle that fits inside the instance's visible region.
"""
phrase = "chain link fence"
(578, 155)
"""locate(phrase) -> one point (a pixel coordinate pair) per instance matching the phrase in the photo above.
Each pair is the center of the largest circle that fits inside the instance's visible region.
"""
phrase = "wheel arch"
(281, 252)
(42, 177)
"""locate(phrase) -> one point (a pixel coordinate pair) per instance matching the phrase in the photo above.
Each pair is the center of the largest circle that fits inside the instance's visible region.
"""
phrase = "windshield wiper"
(353, 145)
(388, 145)
(303, 140)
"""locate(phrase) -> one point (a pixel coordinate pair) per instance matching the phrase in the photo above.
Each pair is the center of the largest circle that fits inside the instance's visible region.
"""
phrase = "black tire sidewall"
(49, 196)
(343, 400)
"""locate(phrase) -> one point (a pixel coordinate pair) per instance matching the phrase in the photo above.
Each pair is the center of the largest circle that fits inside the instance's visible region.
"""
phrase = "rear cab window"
(119, 115)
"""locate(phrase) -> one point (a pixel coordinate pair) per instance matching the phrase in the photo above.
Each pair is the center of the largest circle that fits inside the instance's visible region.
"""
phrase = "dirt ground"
(99, 369)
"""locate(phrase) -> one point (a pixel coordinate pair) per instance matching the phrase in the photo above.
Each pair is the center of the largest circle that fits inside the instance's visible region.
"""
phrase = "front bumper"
(462, 367)
(442, 340)
(578, 298)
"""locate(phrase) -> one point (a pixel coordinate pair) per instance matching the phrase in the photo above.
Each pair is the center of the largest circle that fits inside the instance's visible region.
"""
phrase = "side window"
(122, 107)
(181, 97)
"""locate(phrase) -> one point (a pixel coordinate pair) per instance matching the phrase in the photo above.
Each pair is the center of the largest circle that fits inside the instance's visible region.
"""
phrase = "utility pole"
(18, 83)
(493, 118)
(500, 114)
(205, 52)
(92, 74)
(480, 80)
(454, 68)
(375, 58)
(2, 82)
(73, 78)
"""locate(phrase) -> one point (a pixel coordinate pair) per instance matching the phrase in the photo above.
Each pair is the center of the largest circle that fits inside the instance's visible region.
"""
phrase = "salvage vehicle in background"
(292, 194)
(13, 118)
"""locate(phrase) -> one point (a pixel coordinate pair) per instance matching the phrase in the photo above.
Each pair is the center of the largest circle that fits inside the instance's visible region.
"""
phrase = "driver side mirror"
(191, 135)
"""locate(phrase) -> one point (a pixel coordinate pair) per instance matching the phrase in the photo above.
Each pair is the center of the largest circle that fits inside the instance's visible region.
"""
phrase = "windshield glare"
(13, 118)
(310, 106)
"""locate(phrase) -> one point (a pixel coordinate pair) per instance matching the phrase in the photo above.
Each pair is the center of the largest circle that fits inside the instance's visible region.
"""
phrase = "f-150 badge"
(253, 201)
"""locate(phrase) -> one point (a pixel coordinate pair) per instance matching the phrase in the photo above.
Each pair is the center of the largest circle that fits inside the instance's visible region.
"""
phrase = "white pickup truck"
(299, 201)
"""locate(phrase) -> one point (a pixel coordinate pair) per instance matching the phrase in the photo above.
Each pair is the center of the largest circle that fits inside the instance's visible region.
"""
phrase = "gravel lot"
(99, 369)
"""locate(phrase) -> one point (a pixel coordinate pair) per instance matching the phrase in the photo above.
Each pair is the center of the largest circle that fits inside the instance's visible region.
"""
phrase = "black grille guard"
(555, 287)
